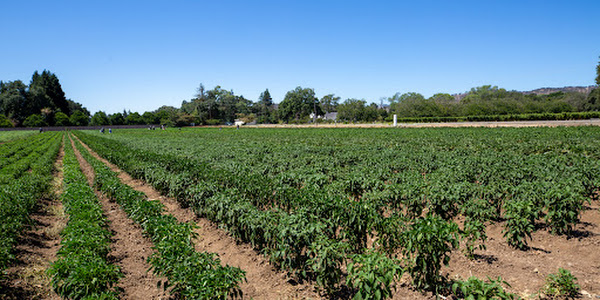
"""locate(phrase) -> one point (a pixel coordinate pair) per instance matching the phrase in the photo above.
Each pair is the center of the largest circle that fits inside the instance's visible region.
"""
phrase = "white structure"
(395, 120)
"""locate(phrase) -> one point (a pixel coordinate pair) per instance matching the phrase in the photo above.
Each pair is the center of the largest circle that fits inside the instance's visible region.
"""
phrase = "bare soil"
(37, 246)
(129, 249)
(263, 280)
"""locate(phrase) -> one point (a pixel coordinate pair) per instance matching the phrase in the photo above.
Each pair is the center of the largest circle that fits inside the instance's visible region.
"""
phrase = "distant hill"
(545, 91)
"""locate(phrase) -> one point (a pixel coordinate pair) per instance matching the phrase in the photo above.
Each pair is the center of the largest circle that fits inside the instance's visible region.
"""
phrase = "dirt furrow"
(263, 281)
(130, 249)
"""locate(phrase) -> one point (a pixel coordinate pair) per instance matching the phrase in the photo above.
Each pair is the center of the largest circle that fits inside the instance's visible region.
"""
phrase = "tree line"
(43, 103)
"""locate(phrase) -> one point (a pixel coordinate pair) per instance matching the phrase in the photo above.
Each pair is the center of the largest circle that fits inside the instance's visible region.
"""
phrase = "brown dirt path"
(38, 245)
(130, 248)
(263, 281)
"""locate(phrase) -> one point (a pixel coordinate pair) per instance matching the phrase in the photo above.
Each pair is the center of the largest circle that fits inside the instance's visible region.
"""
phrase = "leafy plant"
(372, 274)
(473, 231)
(562, 284)
(326, 259)
(520, 217)
(427, 247)
(475, 288)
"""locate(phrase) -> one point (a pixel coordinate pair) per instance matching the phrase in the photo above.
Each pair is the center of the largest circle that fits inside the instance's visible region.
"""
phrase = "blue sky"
(139, 55)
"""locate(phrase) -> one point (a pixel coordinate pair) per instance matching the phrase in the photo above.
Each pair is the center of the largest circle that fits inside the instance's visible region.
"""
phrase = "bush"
(34, 120)
(372, 274)
(428, 244)
(562, 284)
(475, 288)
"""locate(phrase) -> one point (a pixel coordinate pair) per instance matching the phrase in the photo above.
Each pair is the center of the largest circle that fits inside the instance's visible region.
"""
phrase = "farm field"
(336, 207)
(6, 136)
(301, 213)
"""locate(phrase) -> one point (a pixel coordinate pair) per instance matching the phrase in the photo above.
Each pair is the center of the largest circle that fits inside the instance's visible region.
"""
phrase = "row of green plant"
(10, 135)
(82, 269)
(352, 184)
(299, 242)
(191, 274)
(21, 188)
(23, 155)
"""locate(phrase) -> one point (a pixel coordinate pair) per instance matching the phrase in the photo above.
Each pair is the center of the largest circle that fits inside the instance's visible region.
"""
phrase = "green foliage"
(134, 118)
(99, 119)
(82, 268)
(354, 110)
(563, 207)
(520, 222)
(5, 122)
(79, 118)
(474, 235)
(562, 284)
(427, 248)
(298, 104)
(190, 274)
(35, 121)
(326, 257)
(61, 119)
(307, 198)
(116, 119)
(25, 171)
(475, 288)
(371, 275)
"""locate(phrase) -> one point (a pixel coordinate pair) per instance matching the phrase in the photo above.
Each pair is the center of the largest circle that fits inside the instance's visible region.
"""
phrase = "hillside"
(544, 91)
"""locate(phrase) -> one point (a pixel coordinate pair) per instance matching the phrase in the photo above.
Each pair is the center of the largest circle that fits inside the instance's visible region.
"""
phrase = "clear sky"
(139, 55)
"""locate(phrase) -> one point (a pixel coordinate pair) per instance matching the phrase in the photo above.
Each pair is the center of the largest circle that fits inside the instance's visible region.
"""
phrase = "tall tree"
(46, 91)
(99, 118)
(298, 104)
(13, 98)
(265, 107)
(329, 103)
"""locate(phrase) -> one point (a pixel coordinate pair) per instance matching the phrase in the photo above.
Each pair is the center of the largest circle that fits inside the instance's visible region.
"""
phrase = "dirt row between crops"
(37, 245)
(263, 281)
(129, 248)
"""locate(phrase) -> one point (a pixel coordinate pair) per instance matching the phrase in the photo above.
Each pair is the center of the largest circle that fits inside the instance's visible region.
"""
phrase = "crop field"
(12, 135)
(285, 213)
(359, 211)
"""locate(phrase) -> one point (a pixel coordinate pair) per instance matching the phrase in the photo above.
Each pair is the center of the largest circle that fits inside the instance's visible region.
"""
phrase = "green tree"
(34, 120)
(167, 115)
(5, 122)
(116, 119)
(61, 119)
(150, 118)
(45, 91)
(100, 118)
(265, 107)
(329, 103)
(134, 119)
(75, 106)
(78, 118)
(13, 98)
(352, 110)
(298, 104)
